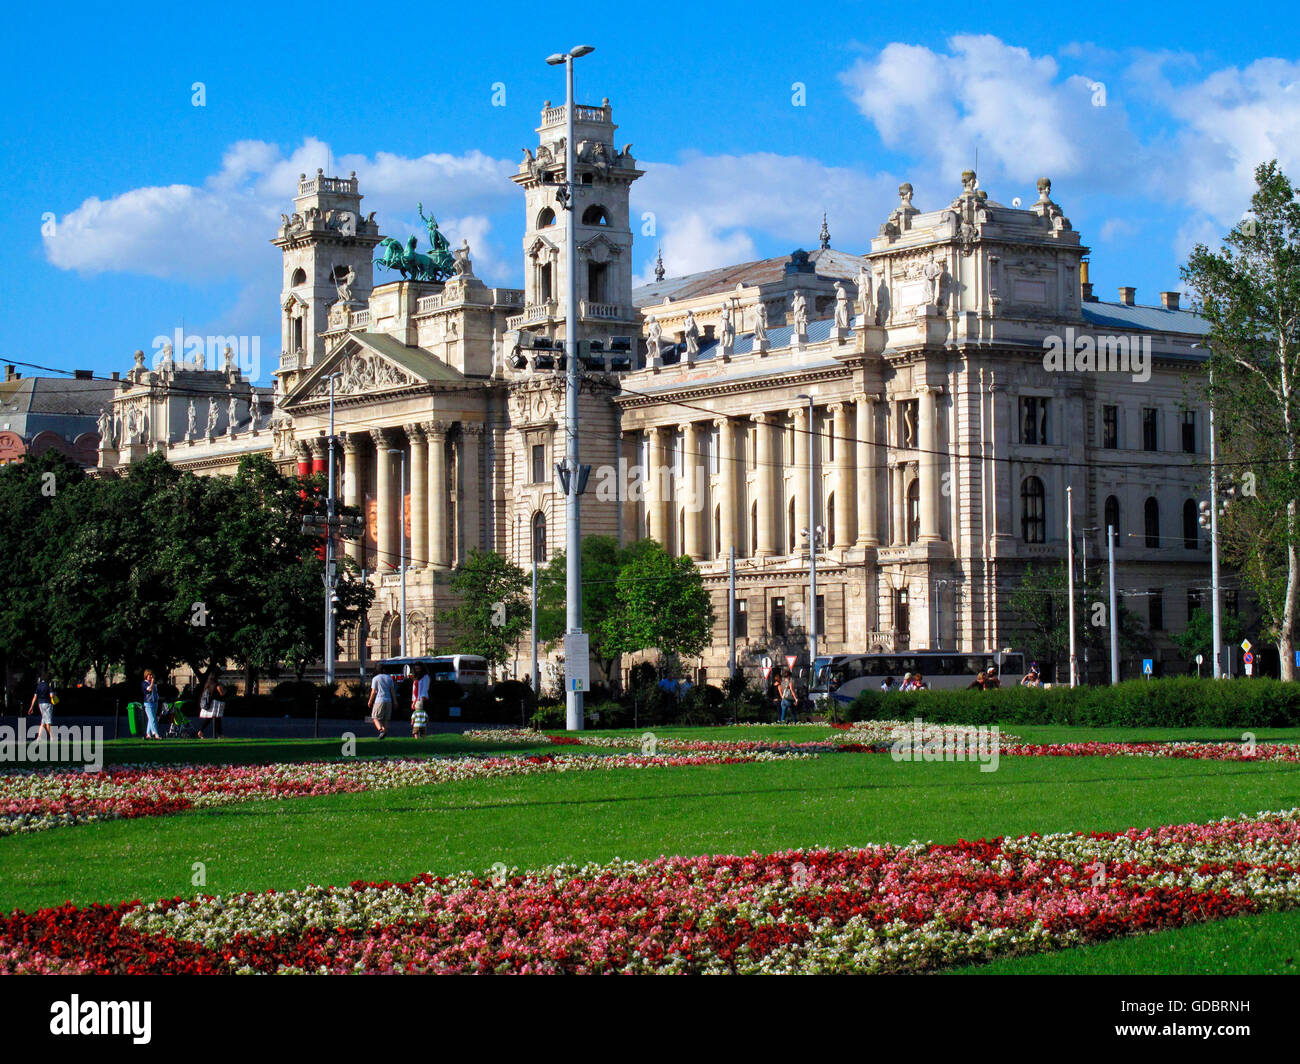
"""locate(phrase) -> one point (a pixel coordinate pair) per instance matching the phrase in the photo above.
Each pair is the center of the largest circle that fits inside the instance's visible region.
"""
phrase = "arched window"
(1033, 511)
(1191, 526)
(299, 277)
(1153, 523)
(753, 529)
(914, 511)
(595, 215)
(545, 218)
(539, 537)
(830, 519)
(1112, 514)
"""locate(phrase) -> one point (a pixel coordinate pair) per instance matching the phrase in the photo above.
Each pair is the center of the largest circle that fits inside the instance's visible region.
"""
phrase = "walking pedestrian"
(152, 696)
(419, 702)
(789, 700)
(381, 702)
(44, 699)
(212, 705)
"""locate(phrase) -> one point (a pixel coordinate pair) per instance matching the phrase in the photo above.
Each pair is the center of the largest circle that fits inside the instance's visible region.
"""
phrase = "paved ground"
(265, 727)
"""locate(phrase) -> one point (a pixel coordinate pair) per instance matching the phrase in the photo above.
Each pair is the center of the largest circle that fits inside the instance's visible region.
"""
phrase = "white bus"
(464, 669)
(844, 676)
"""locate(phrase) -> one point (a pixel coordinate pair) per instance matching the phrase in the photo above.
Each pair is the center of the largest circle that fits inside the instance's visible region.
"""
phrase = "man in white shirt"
(381, 702)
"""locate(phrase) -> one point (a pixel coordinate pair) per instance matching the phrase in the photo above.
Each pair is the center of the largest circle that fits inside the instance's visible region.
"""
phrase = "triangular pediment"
(370, 364)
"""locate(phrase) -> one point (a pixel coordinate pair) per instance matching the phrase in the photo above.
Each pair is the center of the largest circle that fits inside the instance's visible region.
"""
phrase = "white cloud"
(221, 228)
(708, 209)
(1023, 117)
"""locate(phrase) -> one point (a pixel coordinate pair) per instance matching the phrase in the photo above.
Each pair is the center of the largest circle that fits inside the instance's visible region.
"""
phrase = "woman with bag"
(45, 700)
(212, 705)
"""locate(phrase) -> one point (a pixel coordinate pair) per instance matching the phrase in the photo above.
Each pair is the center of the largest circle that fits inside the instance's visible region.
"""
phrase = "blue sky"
(162, 211)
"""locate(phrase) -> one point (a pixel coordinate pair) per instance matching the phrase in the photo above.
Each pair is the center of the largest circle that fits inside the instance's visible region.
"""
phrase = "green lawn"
(835, 800)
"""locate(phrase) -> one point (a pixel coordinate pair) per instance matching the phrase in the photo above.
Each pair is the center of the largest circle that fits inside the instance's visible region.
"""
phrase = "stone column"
(656, 487)
(869, 477)
(352, 497)
(419, 496)
(769, 494)
(841, 428)
(929, 463)
(802, 519)
(439, 498)
(1000, 486)
(728, 480)
(470, 487)
(386, 544)
(692, 497)
(899, 514)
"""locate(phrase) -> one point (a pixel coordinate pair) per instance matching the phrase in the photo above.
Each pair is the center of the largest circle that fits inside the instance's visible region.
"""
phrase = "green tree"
(661, 603)
(602, 561)
(492, 610)
(1040, 601)
(1249, 294)
(1198, 636)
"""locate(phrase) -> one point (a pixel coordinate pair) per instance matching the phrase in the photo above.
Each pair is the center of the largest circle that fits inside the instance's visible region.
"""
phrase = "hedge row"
(1178, 702)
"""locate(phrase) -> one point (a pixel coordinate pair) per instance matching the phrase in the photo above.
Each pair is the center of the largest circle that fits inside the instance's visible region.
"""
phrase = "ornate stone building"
(960, 372)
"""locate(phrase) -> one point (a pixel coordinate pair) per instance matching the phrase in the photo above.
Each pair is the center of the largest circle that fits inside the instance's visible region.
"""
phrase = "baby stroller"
(176, 722)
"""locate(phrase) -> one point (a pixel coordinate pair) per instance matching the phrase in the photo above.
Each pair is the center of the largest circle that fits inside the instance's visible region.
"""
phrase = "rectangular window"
(714, 440)
(1033, 420)
(778, 617)
(742, 618)
(539, 463)
(1110, 427)
(828, 429)
(1150, 429)
(1193, 602)
(1156, 617)
(902, 613)
(821, 615)
(1189, 432)
(1231, 602)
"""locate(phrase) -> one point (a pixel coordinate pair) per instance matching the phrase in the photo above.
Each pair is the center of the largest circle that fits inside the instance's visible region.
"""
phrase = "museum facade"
(957, 381)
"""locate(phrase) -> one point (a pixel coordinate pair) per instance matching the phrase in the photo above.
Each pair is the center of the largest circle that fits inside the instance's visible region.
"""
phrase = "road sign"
(1245, 645)
(1250, 669)
(577, 661)
(1200, 658)
(790, 659)
(1248, 658)
(767, 662)
(767, 671)
(1297, 659)
(1147, 666)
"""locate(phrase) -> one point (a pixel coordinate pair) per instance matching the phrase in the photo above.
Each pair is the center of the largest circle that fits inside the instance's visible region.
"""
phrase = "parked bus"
(463, 669)
(843, 676)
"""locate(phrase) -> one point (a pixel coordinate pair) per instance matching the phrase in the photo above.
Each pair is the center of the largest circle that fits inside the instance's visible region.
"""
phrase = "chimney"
(9, 373)
(117, 376)
(1085, 285)
(82, 375)
(1127, 295)
(1169, 300)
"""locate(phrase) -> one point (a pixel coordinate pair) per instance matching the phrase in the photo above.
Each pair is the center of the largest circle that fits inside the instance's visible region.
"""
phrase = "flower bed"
(879, 736)
(880, 909)
(36, 801)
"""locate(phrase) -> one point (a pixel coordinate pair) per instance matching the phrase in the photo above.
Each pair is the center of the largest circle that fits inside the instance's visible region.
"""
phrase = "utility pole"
(572, 477)
(1083, 557)
(814, 534)
(401, 539)
(1114, 612)
(1069, 536)
(731, 614)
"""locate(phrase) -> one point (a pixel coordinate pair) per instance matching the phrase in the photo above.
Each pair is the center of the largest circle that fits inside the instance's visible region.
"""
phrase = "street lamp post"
(1213, 524)
(814, 534)
(331, 578)
(571, 483)
(401, 539)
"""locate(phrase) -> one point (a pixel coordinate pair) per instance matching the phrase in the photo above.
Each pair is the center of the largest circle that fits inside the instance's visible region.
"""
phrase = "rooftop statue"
(435, 266)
